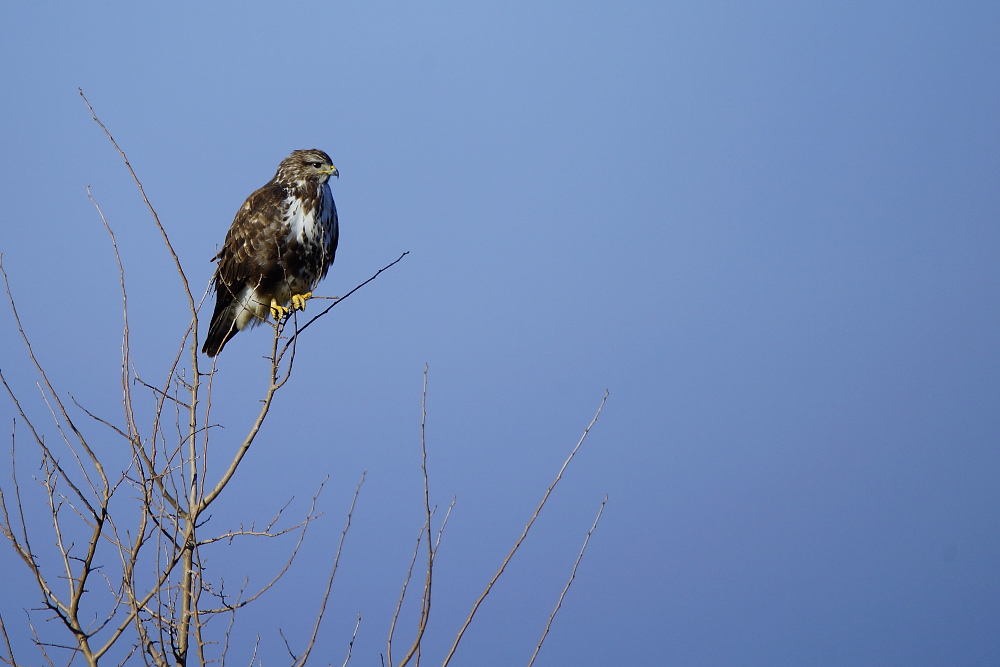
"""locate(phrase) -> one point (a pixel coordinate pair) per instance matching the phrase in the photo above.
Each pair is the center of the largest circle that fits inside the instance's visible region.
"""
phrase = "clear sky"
(769, 228)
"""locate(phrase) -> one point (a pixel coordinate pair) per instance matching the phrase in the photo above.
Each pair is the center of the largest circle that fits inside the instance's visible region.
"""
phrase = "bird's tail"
(223, 325)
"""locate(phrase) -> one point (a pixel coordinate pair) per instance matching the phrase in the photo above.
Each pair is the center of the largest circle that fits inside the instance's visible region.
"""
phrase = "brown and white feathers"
(280, 245)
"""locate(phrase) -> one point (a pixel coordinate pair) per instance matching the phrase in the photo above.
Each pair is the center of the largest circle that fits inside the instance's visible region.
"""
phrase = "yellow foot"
(299, 300)
(277, 311)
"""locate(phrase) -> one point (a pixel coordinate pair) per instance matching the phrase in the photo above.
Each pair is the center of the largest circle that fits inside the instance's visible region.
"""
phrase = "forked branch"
(524, 534)
(569, 582)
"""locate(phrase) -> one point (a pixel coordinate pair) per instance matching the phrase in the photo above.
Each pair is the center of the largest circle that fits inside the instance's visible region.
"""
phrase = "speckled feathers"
(281, 243)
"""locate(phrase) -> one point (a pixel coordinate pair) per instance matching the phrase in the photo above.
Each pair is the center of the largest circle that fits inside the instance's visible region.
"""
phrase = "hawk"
(280, 245)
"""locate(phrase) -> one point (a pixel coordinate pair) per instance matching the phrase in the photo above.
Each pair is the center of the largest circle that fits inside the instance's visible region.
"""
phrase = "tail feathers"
(218, 335)
(223, 325)
(236, 308)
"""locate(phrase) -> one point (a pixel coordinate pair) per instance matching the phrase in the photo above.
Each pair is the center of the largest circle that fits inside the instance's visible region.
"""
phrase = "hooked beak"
(332, 171)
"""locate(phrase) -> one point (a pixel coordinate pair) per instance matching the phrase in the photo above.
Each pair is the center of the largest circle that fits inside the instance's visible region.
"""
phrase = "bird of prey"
(280, 245)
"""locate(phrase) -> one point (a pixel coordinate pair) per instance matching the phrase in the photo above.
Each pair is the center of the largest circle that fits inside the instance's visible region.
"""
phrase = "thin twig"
(329, 584)
(299, 330)
(142, 191)
(425, 602)
(225, 641)
(276, 384)
(190, 517)
(128, 657)
(527, 527)
(350, 647)
(572, 576)
(254, 656)
(402, 593)
(310, 517)
(10, 652)
(38, 642)
(126, 346)
(52, 392)
(288, 648)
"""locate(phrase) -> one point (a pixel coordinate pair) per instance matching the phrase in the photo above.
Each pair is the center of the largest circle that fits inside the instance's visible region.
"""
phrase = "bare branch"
(10, 652)
(39, 643)
(225, 641)
(425, 602)
(402, 594)
(99, 419)
(192, 490)
(288, 648)
(135, 647)
(156, 526)
(126, 347)
(69, 446)
(142, 191)
(299, 330)
(41, 372)
(267, 531)
(276, 384)
(350, 646)
(572, 576)
(157, 390)
(241, 452)
(304, 524)
(527, 527)
(329, 584)
(437, 543)
(255, 646)
(23, 546)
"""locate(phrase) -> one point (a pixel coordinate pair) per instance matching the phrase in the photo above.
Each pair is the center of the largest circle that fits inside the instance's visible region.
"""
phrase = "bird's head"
(304, 166)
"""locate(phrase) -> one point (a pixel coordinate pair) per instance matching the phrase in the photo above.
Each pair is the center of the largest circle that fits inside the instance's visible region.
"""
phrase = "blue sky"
(770, 229)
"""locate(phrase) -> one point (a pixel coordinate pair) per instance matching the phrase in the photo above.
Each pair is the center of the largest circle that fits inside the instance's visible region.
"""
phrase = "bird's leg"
(299, 300)
(278, 311)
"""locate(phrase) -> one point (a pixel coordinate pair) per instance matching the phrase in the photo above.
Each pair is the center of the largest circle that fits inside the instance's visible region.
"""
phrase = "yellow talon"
(299, 300)
(277, 310)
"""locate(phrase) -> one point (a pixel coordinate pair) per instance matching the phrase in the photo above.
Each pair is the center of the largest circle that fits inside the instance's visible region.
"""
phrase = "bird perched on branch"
(280, 245)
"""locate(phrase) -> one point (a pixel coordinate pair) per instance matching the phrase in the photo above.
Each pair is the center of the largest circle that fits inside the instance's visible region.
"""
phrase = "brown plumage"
(280, 245)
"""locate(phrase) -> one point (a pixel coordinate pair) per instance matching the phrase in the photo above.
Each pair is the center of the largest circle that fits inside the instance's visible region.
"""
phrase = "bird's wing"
(331, 247)
(254, 241)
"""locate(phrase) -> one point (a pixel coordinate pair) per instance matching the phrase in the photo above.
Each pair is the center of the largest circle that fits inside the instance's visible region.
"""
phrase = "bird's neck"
(304, 188)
